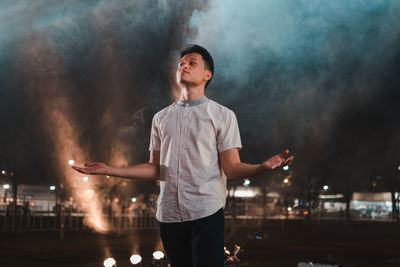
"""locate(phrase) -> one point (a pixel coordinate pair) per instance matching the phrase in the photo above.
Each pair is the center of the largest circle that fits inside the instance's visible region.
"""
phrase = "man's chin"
(183, 83)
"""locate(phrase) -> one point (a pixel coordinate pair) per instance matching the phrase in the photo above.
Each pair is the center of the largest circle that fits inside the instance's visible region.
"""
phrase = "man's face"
(192, 71)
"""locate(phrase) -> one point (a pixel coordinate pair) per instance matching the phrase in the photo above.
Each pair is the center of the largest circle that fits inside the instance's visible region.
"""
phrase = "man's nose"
(184, 66)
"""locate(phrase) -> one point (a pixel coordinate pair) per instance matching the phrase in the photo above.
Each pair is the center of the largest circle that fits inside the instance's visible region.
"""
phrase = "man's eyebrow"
(191, 58)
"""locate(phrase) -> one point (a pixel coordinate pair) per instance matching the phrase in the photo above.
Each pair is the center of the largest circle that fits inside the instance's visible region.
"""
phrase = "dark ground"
(357, 244)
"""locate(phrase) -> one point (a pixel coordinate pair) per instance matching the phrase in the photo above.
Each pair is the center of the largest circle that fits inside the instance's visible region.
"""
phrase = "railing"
(64, 220)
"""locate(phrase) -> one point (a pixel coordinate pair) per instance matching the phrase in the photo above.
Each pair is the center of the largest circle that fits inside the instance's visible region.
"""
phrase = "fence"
(60, 219)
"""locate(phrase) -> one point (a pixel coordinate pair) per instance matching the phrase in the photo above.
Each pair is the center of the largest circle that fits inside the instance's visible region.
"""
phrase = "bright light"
(85, 179)
(108, 177)
(6, 186)
(109, 262)
(133, 200)
(89, 193)
(289, 208)
(246, 182)
(158, 255)
(245, 193)
(52, 188)
(4, 172)
(286, 167)
(397, 168)
(135, 259)
(71, 162)
(286, 180)
(227, 251)
(326, 187)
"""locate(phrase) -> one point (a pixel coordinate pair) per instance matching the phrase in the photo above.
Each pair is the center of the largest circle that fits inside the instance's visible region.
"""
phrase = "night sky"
(318, 77)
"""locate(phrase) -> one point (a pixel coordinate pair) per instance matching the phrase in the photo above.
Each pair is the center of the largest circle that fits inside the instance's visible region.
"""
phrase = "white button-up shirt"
(189, 137)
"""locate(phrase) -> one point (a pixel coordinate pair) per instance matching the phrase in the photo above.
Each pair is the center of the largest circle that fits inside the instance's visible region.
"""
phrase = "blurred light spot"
(133, 200)
(244, 193)
(6, 186)
(85, 179)
(89, 193)
(109, 262)
(326, 187)
(286, 180)
(3, 172)
(246, 182)
(52, 188)
(227, 251)
(286, 167)
(158, 255)
(71, 162)
(135, 259)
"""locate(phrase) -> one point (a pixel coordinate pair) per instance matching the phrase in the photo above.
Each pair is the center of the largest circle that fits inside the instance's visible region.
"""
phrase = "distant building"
(40, 197)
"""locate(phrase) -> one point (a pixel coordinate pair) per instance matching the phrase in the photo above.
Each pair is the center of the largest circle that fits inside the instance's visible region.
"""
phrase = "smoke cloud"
(83, 79)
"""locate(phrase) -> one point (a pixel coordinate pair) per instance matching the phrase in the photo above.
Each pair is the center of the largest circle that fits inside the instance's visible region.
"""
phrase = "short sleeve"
(154, 136)
(228, 135)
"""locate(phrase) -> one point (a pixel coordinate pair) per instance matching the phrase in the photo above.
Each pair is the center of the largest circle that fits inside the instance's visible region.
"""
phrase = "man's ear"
(209, 75)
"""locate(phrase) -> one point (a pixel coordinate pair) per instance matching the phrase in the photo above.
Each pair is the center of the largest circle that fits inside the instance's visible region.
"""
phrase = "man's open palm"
(93, 168)
(278, 161)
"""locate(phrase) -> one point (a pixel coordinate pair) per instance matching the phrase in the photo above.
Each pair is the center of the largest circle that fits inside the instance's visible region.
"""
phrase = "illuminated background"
(82, 80)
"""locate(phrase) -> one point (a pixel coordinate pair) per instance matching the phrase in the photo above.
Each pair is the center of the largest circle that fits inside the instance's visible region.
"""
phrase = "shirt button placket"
(180, 175)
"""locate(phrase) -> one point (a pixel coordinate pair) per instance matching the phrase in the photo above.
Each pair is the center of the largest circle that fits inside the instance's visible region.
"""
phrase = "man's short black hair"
(194, 48)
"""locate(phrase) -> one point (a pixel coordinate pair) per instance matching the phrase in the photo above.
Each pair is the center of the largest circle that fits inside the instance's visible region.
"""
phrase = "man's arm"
(145, 171)
(235, 169)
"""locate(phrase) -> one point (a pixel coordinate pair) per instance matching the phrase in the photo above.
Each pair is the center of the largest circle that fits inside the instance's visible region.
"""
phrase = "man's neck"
(189, 94)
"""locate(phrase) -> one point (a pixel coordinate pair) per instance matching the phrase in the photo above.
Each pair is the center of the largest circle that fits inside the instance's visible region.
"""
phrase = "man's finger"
(89, 164)
(289, 160)
(81, 170)
(285, 153)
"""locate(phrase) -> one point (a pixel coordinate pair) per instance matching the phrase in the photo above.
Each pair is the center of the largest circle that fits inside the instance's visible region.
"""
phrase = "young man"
(193, 143)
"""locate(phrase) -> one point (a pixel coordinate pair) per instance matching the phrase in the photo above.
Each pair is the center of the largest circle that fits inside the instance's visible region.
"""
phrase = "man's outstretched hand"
(278, 161)
(95, 168)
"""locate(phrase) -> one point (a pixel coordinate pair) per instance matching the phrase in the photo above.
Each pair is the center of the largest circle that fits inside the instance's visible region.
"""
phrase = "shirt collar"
(192, 103)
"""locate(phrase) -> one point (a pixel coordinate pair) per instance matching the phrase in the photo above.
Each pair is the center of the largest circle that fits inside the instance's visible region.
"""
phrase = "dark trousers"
(198, 243)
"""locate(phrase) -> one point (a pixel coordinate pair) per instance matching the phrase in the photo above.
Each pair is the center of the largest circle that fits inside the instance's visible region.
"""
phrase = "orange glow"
(305, 212)
(44, 72)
